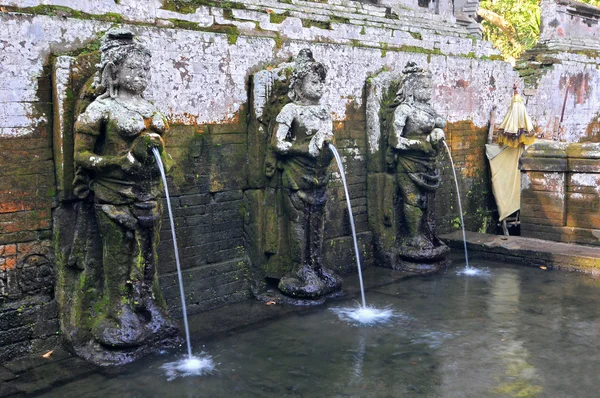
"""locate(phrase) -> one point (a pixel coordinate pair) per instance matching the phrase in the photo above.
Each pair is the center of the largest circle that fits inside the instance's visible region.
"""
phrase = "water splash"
(343, 173)
(468, 270)
(191, 366)
(472, 271)
(364, 316)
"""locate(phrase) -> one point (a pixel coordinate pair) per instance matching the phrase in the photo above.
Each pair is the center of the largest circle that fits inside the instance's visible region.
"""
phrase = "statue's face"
(311, 87)
(134, 73)
(422, 91)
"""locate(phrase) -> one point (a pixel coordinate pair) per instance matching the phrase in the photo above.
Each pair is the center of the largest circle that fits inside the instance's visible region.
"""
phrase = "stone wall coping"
(576, 7)
(554, 156)
(554, 149)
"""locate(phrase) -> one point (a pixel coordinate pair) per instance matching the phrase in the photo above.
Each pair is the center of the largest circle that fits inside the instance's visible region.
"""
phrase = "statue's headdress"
(116, 45)
(305, 63)
(411, 76)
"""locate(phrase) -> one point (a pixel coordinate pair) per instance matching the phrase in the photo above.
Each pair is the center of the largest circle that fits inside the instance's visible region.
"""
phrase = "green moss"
(390, 14)
(66, 11)
(278, 18)
(228, 14)
(416, 35)
(308, 23)
(231, 31)
(285, 1)
(362, 31)
(384, 48)
(278, 40)
(340, 20)
(113, 17)
(190, 6)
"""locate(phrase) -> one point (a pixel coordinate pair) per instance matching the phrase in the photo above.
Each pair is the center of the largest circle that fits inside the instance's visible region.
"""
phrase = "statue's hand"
(436, 136)
(144, 144)
(131, 165)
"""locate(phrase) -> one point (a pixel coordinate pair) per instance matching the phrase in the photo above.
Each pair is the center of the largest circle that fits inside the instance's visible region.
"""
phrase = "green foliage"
(523, 16)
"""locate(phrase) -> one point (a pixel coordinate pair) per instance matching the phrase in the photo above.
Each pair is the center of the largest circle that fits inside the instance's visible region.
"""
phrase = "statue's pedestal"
(421, 261)
(424, 268)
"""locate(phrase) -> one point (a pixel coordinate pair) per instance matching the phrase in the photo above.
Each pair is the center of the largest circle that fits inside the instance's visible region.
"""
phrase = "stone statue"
(414, 139)
(302, 130)
(117, 173)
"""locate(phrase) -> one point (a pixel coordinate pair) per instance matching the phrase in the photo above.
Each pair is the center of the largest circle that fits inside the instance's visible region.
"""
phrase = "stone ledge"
(530, 251)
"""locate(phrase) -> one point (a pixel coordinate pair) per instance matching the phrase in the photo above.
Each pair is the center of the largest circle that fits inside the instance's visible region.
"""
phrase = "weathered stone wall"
(568, 22)
(203, 56)
(561, 73)
(560, 192)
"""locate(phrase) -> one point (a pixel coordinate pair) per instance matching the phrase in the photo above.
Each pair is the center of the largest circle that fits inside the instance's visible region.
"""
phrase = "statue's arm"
(397, 140)
(437, 134)
(324, 135)
(281, 143)
(284, 143)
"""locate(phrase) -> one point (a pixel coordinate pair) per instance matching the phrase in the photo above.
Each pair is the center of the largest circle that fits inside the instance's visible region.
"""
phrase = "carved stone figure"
(118, 181)
(414, 143)
(302, 130)
(289, 132)
(414, 138)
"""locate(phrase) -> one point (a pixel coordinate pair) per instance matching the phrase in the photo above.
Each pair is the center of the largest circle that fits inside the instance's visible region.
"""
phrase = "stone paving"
(529, 251)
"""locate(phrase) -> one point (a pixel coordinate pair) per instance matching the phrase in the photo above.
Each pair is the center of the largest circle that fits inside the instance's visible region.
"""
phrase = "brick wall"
(467, 145)
(28, 314)
(560, 192)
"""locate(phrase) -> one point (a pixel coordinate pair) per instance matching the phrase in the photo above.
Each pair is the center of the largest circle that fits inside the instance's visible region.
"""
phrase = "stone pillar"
(583, 192)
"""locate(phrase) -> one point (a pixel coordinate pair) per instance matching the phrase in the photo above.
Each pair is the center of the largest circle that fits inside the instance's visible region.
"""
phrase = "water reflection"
(518, 332)
(519, 377)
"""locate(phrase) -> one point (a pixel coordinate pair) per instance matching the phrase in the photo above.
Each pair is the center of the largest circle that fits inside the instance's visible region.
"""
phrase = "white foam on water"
(194, 366)
(367, 316)
(472, 271)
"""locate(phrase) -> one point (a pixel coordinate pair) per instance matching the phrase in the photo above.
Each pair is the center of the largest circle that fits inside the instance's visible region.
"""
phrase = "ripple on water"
(367, 316)
(194, 366)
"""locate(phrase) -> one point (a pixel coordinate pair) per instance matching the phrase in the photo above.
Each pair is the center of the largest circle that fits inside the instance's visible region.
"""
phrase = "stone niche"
(78, 245)
(281, 238)
(560, 192)
(384, 203)
(266, 247)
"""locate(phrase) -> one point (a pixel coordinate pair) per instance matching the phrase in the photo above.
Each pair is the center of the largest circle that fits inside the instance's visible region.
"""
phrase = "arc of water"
(181, 291)
(343, 173)
(462, 221)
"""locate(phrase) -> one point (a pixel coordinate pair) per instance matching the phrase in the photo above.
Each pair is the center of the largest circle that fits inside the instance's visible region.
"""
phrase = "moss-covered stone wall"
(203, 56)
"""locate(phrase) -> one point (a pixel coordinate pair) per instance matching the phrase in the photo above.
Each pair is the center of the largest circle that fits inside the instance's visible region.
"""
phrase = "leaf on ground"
(47, 355)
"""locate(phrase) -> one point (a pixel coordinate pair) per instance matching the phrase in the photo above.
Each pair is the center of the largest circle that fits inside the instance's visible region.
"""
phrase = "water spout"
(192, 366)
(343, 173)
(462, 221)
(183, 307)
(362, 315)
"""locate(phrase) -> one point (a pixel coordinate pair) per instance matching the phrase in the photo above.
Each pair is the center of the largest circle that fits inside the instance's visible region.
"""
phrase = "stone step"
(355, 11)
(402, 23)
(529, 251)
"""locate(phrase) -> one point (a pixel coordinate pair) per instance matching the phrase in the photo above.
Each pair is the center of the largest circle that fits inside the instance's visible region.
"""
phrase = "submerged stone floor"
(529, 251)
(35, 375)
